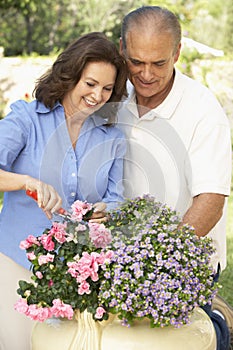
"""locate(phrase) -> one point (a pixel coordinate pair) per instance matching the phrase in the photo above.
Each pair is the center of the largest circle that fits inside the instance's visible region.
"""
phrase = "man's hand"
(99, 214)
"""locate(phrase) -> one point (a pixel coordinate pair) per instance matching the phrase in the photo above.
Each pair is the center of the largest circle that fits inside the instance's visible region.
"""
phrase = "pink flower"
(29, 242)
(80, 227)
(79, 209)
(60, 309)
(33, 311)
(31, 256)
(99, 234)
(84, 287)
(38, 313)
(109, 255)
(50, 284)
(99, 312)
(58, 230)
(47, 242)
(44, 259)
(88, 266)
(73, 268)
(21, 306)
(105, 257)
(39, 275)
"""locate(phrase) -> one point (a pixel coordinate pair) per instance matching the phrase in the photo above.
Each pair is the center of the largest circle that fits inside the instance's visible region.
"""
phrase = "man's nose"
(147, 73)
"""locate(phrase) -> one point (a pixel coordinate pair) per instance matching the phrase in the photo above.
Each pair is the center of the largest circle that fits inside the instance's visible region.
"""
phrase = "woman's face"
(93, 90)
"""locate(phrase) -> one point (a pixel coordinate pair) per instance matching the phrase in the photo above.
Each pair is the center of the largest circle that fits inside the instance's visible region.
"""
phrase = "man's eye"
(160, 64)
(135, 63)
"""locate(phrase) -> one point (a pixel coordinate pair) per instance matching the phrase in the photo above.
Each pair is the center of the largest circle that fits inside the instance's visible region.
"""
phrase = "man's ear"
(177, 54)
(121, 46)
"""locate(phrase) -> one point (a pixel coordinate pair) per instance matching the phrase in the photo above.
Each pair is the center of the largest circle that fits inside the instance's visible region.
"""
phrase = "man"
(179, 144)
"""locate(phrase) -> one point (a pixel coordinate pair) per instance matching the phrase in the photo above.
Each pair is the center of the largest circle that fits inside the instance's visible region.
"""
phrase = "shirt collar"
(99, 121)
(93, 119)
(166, 109)
(41, 108)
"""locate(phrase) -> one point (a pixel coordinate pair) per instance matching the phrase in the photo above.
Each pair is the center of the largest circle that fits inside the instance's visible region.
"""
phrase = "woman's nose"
(97, 94)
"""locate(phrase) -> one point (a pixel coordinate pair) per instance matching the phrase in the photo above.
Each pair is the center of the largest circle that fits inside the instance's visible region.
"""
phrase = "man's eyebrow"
(139, 61)
(134, 60)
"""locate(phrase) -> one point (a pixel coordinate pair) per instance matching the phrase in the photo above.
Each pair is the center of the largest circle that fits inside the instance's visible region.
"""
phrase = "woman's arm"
(48, 198)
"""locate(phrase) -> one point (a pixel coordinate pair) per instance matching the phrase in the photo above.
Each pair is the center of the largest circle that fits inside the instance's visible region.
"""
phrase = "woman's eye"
(108, 88)
(90, 84)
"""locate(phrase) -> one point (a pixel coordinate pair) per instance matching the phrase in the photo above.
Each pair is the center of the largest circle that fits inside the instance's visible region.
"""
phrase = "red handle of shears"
(33, 194)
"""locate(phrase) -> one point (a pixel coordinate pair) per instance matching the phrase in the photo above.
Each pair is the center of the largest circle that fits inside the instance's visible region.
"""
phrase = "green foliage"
(3, 102)
(226, 277)
(47, 26)
(186, 59)
(1, 199)
(228, 42)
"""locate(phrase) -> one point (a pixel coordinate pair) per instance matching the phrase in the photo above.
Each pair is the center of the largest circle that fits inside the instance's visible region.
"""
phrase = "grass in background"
(226, 278)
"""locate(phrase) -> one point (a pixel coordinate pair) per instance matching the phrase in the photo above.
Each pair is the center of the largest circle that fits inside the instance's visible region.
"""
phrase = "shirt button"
(72, 194)
(73, 174)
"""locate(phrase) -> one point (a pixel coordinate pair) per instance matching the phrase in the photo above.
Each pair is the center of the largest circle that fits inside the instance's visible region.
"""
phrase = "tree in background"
(228, 42)
(44, 27)
(47, 26)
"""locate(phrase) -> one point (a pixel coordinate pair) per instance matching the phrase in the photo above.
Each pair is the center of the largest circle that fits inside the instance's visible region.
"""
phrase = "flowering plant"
(66, 264)
(141, 263)
(160, 269)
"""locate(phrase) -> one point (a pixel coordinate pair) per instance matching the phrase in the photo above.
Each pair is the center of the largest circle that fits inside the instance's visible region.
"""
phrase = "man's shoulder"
(190, 84)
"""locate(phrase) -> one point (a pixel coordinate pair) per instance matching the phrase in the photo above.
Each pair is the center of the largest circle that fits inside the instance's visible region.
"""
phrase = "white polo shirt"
(178, 150)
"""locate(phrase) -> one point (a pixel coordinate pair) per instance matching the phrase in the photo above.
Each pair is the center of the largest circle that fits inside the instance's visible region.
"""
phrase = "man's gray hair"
(159, 18)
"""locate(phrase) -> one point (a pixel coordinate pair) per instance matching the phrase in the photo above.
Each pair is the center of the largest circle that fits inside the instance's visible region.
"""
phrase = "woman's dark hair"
(66, 71)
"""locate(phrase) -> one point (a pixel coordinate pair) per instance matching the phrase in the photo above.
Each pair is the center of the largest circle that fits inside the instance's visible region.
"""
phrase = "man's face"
(150, 58)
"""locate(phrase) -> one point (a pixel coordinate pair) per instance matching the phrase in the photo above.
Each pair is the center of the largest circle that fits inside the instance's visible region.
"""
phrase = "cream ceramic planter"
(83, 333)
(198, 335)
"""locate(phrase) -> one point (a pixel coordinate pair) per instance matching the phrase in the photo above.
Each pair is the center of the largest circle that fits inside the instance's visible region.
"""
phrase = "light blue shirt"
(35, 141)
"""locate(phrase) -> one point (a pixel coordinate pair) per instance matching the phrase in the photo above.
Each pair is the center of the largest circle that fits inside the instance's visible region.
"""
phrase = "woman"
(63, 144)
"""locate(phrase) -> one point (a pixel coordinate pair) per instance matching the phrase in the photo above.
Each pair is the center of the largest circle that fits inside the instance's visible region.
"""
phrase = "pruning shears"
(33, 194)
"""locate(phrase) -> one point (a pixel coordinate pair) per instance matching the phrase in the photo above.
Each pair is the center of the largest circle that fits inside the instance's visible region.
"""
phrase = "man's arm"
(205, 212)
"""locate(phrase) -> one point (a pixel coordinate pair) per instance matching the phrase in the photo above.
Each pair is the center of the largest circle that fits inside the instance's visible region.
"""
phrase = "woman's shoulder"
(115, 129)
(30, 111)
(110, 130)
(22, 110)
(32, 107)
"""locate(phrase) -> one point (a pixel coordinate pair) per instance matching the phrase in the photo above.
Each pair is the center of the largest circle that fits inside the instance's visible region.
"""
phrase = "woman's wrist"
(25, 181)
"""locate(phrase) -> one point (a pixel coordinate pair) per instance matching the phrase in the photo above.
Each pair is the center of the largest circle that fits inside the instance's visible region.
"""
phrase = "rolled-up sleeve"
(13, 136)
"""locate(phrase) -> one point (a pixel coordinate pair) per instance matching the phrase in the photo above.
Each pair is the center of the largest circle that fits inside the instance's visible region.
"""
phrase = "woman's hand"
(47, 197)
(99, 214)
